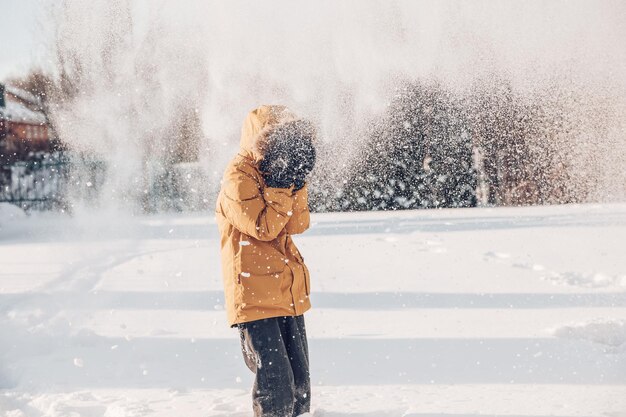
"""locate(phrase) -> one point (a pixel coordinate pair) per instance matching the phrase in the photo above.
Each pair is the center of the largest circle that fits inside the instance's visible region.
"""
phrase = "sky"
(20, 36)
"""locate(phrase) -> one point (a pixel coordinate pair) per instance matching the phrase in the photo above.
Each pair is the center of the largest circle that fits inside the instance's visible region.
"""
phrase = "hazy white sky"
(20, 36)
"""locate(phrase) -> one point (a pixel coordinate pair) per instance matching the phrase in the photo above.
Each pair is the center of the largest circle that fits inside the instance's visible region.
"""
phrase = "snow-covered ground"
(508, 311)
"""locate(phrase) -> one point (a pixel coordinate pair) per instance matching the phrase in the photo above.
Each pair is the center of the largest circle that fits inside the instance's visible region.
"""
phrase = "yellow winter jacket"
(264, 273)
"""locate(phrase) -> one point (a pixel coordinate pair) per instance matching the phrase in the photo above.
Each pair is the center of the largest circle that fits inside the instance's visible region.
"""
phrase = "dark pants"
(276, 351)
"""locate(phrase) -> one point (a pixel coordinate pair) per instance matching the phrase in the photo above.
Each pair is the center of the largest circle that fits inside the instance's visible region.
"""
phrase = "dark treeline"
(439, 148)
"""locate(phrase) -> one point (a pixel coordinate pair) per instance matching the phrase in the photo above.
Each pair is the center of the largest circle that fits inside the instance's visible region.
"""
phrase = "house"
(24, 128)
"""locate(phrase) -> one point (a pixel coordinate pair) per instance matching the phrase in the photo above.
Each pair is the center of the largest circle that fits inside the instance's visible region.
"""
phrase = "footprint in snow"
(609, 333)
(593, 280)
(532, 267)
(497, 255)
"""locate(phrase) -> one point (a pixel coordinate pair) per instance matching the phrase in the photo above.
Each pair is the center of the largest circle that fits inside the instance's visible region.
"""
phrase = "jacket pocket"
(260, 290)
(259, 261)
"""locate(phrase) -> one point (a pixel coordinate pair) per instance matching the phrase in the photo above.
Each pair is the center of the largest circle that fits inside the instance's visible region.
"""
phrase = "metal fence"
(43, 181)
(55, 181)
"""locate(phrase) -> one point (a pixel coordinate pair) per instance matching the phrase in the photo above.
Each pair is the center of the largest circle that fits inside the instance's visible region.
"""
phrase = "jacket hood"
(256, 125)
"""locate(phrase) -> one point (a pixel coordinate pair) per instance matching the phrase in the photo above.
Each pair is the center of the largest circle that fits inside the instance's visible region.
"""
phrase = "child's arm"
(300, 216)
(262, 217)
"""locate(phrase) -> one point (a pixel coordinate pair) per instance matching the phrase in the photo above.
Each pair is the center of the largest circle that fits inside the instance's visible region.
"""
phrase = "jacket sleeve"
(300, 216)
(261, 216)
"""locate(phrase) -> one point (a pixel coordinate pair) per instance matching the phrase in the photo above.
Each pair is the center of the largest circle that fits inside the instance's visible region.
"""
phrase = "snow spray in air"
(160, 90)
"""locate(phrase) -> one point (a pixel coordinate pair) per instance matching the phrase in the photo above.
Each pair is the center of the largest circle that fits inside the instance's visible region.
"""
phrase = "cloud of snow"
(139, 65)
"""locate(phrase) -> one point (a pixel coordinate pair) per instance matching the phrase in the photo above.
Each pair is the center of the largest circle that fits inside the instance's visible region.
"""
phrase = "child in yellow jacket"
(263, 201)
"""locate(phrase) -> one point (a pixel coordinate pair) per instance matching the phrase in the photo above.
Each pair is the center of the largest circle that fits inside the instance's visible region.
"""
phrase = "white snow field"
(448, 313)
